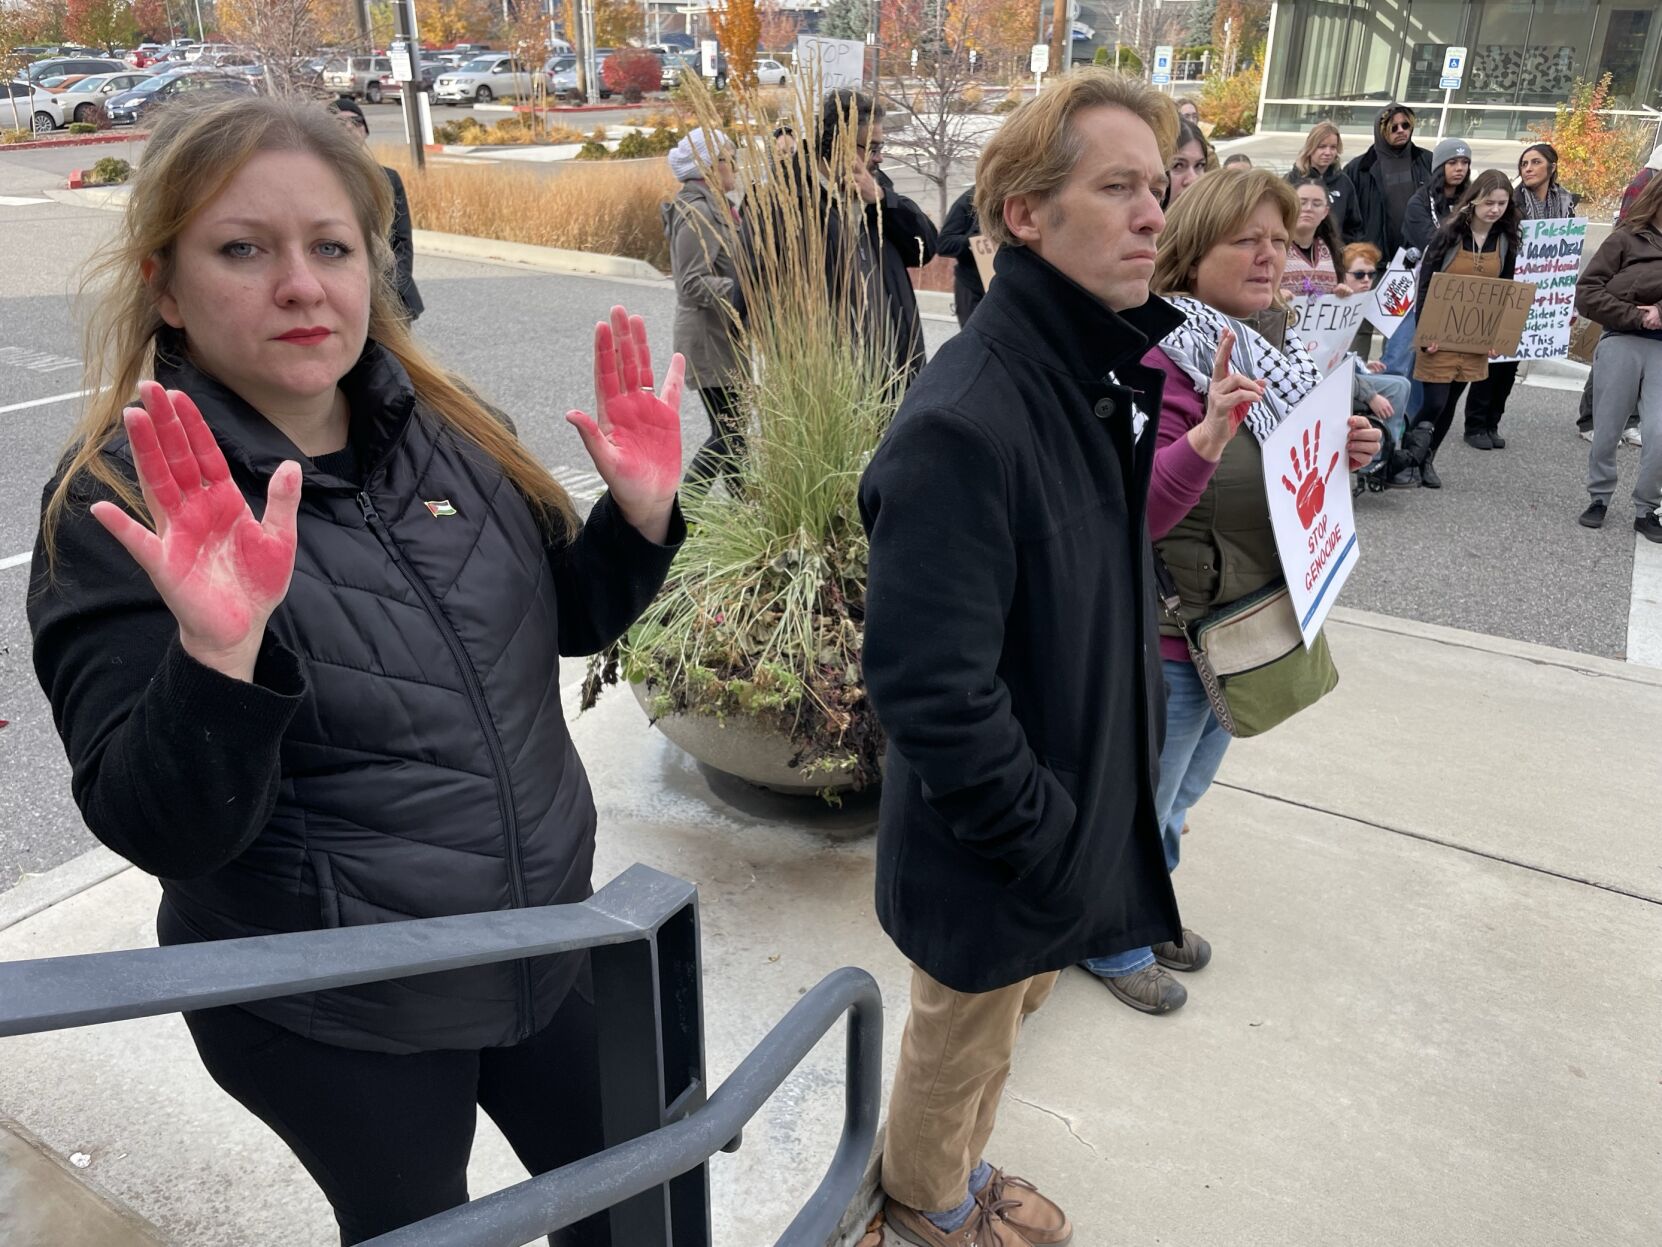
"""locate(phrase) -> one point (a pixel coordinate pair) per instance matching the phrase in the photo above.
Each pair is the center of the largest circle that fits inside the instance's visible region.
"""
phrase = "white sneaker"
(1631, 437)
(1586, 435)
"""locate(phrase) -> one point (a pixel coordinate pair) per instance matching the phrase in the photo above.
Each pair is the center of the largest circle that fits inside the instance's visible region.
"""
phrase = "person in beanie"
(700, 225)
(1386, 177)
(1451, 169)
(1011, 649)
(402, 238)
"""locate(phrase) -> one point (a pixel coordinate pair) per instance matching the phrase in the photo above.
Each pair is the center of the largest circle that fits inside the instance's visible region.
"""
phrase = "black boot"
(1496, 441)
(1416, 444)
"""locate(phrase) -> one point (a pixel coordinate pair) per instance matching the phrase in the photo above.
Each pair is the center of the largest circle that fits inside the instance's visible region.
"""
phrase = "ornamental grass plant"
(762, 616)
(609, 209)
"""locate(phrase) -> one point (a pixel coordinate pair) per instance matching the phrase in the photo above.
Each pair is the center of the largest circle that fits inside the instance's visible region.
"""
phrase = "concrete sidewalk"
(1433, 1015)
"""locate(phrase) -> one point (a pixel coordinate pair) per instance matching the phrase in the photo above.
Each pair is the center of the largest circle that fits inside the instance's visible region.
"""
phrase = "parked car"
(770, 73)
(144, 55)
(24, 106)
(130, 107)
(427, 73)
(58, 66)
(674, 66)
(358, 76)
(482, 80)
(85, 99)
(561, 73)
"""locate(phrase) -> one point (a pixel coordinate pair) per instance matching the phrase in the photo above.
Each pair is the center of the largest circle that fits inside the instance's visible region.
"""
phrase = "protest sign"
(1474, 314)
(1308, 483)
(827, 64)
(1325, 326)
(1584, 339)
(1392, 296)
(984, 249)
(1549, 258)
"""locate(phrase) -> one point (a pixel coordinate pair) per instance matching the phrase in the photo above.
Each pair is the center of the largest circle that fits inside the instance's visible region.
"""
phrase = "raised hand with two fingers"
(636, 441)
(219, 570)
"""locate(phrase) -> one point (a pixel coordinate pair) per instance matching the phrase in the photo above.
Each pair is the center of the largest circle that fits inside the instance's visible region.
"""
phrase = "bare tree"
(932, 125)
(282, 34)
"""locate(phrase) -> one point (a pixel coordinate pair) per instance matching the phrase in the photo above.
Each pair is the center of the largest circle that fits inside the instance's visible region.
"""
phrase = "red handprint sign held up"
(1311, 490)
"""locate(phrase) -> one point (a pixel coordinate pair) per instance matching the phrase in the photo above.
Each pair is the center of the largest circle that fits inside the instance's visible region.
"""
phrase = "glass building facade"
(1344, 59)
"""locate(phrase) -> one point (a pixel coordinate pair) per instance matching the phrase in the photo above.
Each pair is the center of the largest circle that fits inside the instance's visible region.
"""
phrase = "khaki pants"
(954, 1057)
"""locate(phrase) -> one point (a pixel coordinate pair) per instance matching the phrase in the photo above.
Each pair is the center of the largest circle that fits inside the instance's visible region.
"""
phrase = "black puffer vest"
(429, 770)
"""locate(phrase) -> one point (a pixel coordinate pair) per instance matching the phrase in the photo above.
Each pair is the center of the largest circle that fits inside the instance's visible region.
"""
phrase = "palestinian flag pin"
(440, 506)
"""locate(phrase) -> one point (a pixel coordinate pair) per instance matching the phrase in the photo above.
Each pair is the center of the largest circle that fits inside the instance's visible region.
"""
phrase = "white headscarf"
(693, 156)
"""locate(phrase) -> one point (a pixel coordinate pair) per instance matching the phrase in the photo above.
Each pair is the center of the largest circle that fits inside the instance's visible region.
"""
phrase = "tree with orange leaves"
(779, 28)
(739, 29)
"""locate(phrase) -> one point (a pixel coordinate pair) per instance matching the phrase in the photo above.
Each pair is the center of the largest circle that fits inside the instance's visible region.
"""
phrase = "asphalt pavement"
(1496, 551)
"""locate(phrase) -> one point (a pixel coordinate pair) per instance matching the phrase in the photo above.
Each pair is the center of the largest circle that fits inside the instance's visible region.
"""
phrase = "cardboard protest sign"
(1474, 314)
(1549, 258)
(1308, 483)
(1326, 325)
(1387, 305)
(1584, 339)
(983, 249)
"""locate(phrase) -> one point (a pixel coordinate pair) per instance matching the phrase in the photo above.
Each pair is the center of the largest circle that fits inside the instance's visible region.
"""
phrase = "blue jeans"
(1398, 358)
(1195, 744)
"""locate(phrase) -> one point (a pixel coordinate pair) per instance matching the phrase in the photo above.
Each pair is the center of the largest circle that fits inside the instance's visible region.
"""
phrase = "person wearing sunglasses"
(1386, 177)
(1377, 393)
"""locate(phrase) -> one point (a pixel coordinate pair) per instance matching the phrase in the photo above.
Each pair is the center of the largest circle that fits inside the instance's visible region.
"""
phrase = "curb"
(38, 893)
(79, 140)
(1504, 647)
(108, 198)
(528, 255)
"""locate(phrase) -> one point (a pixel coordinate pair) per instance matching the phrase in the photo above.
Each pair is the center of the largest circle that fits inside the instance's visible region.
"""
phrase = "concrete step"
(46, 1202)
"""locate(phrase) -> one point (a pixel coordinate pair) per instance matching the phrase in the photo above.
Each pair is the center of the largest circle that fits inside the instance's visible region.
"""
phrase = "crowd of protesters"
(1069, 496)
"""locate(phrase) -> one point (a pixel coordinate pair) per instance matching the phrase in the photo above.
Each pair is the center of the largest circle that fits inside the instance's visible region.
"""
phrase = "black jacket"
(403, 246)
(401, 752)
(956, 231)
(1011, 649)
(1425, 213)
(1373, 206)
(1342, 206)
(909, 240)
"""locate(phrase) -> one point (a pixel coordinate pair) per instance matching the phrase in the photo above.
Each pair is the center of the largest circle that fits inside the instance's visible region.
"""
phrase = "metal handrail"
(520, 1214)
(638, 906)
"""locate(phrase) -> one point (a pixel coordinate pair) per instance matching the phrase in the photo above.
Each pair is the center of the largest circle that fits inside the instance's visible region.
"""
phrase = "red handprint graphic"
(1311, 489)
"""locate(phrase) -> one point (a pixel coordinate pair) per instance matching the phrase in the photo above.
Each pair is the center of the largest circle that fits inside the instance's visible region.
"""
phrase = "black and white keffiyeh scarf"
(1193, 347)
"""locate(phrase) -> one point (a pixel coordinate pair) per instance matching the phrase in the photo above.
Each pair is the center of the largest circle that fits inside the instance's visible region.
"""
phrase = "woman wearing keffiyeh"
(1220, 263)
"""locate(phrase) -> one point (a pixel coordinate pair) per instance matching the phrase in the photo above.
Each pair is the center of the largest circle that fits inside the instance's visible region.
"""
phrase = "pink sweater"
(1180, 475)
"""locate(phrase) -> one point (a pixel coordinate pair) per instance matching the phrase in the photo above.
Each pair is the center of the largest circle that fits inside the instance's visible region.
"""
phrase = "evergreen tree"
(846, 19)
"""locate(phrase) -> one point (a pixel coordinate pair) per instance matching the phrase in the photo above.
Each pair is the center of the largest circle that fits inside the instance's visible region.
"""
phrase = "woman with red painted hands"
(1220, 263)
(346, 711)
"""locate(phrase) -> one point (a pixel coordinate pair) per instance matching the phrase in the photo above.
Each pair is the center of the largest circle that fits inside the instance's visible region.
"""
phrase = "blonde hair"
(1213, 208)
(1319, 133)
(193, 153)
(1035, 151)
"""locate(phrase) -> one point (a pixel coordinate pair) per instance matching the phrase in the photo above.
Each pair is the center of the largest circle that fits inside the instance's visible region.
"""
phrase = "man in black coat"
(401, 237)
(901, 234)
(956, 231)
(1011, 646)
(1386, 177)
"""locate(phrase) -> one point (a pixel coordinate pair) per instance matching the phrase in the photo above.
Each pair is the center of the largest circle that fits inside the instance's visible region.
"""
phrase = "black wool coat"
(1011, 649)
(401, 751)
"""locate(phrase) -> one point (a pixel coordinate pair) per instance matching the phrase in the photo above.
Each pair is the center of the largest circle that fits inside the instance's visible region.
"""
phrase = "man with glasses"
(902, 235)
(1386, 177)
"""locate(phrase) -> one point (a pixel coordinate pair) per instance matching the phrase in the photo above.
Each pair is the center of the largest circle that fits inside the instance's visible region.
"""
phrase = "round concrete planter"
(741, 748)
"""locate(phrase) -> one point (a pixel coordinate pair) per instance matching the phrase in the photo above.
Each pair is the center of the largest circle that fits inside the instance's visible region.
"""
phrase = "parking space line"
(45, 402)
(16, 560)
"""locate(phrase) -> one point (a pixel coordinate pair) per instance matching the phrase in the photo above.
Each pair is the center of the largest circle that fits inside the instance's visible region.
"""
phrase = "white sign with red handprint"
(1309, 491)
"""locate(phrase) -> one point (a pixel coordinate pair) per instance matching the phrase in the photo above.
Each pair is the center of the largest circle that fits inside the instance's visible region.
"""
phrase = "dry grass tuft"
(609, 209)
